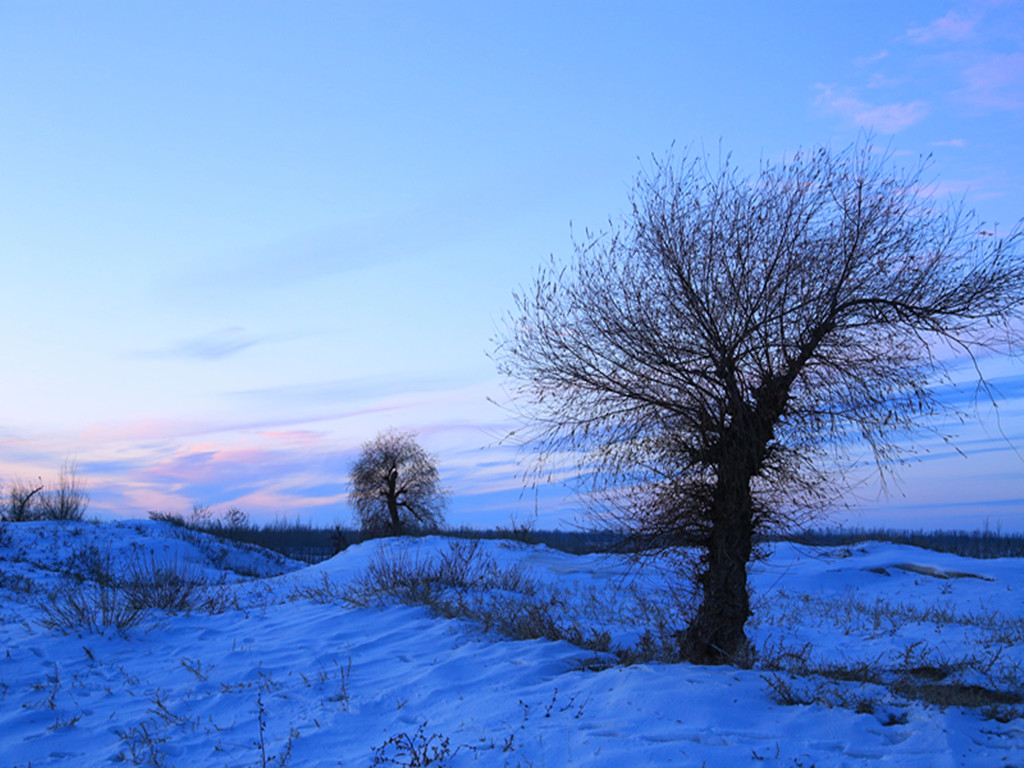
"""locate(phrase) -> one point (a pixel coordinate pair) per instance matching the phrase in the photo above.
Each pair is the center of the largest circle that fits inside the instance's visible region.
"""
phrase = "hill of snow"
(264, 662)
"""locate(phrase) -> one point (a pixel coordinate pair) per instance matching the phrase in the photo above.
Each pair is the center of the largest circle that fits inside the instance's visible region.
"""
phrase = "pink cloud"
(883, 118)
(953, 26)
(125, 498)
(996, 82)
(273, 502)
(267, 465)
(295, 437)
(147, 430)
(981, 188)
(863, 61)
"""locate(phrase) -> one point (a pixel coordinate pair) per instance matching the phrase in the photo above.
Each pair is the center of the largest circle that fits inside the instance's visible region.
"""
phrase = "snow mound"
(281, 671)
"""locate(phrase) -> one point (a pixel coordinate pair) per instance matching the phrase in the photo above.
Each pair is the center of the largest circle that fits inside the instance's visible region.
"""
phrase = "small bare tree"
(395, 485)
(713, 361)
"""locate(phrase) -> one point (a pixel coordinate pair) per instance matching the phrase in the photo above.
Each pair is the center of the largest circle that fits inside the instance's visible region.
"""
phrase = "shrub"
(66, 499)
(414, 750)
(21, 503)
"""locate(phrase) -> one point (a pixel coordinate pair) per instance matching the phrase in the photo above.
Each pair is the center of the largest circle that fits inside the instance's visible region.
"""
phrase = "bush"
(66, 499)
(21, 502)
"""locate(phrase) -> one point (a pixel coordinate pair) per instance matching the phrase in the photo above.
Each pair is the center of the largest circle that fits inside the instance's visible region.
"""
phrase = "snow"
(281, 672)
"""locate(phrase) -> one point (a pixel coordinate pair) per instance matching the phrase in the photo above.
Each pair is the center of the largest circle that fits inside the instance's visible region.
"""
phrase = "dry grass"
(95, 591)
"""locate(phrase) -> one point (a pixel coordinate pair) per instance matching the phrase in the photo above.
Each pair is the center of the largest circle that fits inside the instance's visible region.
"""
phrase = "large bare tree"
(715, 362)
(395, 485)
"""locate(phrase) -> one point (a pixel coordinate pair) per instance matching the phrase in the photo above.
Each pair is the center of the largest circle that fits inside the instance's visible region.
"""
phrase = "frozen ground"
(269, 667)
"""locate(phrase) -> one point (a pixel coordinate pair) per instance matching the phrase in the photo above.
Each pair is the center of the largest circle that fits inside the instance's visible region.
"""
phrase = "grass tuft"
(95, 591)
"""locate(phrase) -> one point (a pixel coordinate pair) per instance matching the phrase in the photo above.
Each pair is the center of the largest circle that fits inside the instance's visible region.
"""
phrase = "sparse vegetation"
(63, 499)
(21, 503)
(95, 591)
(917, 673)
(282, 758)
(978, 674)
(164, 585)
(90, 606)
(310, 543)
(302, 540)
(462, 582)
(415, 750)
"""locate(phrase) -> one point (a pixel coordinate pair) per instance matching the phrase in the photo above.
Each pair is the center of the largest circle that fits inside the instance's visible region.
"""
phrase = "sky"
(239, 239)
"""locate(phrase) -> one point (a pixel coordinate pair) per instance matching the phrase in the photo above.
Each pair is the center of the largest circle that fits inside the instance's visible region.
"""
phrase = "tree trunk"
(716, 634)
(392, 499)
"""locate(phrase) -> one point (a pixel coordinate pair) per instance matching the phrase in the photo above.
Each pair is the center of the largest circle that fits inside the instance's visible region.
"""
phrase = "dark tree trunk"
(392, 499)
(716, 634)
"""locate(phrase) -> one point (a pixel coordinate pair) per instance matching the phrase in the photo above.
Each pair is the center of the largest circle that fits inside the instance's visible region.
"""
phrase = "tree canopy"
(395, 485)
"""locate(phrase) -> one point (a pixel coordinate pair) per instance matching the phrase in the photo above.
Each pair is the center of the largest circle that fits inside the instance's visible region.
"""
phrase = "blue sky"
(240, 238)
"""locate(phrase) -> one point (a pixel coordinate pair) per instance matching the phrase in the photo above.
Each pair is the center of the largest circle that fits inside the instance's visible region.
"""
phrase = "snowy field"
(872, 654)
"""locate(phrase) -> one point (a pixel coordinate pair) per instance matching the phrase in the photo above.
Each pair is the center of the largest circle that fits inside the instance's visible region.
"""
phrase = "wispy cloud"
(304, 258)
(264, 478)
(879, 80)
(865, 61)
(981, 188)
(984, 45)
(274, 459)
(953, 26)
(881, 118)
(289, 472)
(958, 143)
(216, 345)
(342, 390)
(971, 55)
(995, 82)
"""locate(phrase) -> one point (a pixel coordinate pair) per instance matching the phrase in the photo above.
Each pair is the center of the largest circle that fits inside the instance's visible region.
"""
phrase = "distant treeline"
(304, 541)
(978, 544)
(301, 540)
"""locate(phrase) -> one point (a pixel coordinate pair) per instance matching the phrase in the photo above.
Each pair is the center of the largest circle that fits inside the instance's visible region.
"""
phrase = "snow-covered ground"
(270, 667)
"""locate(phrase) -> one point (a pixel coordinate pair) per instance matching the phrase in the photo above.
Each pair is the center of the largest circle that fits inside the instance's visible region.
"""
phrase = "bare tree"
(714, 361)
(395, 485)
